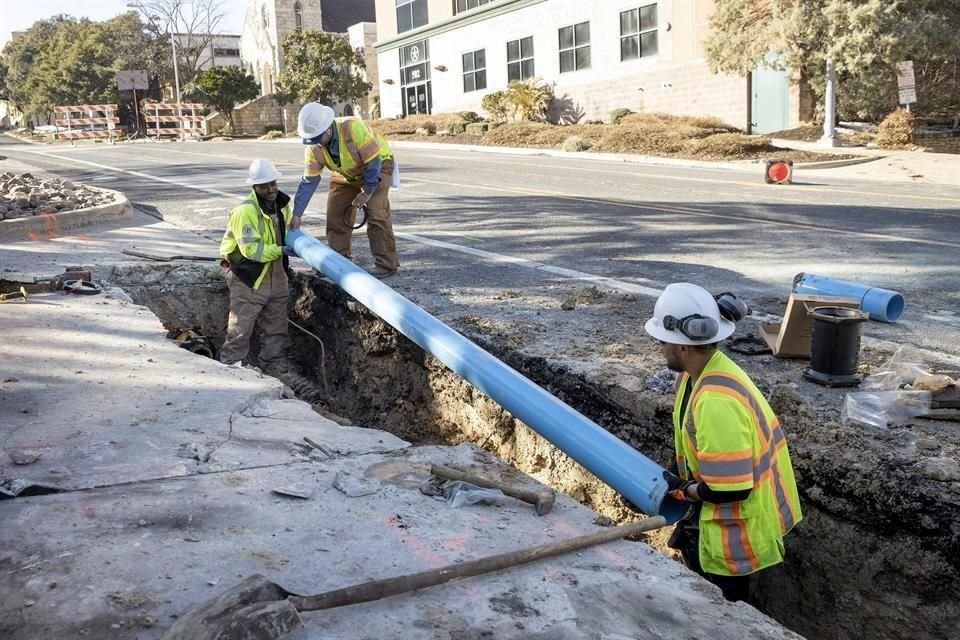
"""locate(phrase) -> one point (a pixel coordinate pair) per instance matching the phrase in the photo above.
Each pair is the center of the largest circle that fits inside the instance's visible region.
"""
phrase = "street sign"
(132, 80)
(905, 78)
(906, 82)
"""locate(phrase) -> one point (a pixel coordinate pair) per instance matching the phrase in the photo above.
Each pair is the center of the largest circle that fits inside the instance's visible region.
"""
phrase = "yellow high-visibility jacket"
(731, 440)
(250, 242)
(357, 145)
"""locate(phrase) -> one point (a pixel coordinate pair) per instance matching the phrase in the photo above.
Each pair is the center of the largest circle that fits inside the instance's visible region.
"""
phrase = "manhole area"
(852, 568)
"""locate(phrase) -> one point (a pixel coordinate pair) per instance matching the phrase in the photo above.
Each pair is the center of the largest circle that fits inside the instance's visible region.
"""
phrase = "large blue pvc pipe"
(616, 463)
(883, 305)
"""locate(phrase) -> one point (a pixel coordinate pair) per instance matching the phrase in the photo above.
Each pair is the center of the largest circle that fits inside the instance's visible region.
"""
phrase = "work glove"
(361, 200)
(288, 251)
(677, 486)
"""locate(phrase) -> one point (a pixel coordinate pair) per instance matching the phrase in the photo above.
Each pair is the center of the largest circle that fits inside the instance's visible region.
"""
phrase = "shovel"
(147, 256)
(257, 609)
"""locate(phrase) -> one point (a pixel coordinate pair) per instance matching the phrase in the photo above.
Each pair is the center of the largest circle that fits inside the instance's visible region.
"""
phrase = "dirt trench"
(875, 556)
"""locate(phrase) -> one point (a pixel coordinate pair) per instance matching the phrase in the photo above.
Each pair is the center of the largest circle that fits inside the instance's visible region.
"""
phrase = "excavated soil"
(875, 556)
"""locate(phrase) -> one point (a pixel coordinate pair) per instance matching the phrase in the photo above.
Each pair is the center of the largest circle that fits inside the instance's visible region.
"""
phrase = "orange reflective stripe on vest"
(772, 440)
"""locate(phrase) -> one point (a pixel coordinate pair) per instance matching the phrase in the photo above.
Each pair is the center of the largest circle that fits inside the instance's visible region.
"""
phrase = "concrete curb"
(833, 164)
(630, 158)
(52, 224)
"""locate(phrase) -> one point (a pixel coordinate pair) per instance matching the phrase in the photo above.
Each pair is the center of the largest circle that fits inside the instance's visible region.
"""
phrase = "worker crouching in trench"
(256, 259)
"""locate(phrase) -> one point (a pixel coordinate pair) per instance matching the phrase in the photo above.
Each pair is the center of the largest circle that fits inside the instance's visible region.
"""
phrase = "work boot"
(277, 367)
(381, 272)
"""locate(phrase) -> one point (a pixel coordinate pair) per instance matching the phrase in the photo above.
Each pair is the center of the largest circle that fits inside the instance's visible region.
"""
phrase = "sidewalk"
(888, 165)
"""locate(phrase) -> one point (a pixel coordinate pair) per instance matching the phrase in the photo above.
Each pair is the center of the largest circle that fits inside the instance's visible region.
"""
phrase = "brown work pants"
(266, 308)
(383, 245)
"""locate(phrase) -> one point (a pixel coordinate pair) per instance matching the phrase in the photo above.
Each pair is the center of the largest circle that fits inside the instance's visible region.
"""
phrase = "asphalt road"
(627, 226)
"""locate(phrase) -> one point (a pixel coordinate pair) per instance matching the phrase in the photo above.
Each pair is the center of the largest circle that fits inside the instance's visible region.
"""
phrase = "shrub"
(495, 103)
(617, 115)
(529, 100)
(469, 116)
(896, 130)
(576, 143)
(454, 128)
(477, 128)
(272, 135)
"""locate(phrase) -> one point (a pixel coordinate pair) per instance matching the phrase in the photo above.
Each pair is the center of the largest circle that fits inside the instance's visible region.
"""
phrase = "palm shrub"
(529, 100)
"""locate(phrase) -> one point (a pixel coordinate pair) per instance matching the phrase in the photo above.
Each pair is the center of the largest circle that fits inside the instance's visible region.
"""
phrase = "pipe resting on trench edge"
(616, 463)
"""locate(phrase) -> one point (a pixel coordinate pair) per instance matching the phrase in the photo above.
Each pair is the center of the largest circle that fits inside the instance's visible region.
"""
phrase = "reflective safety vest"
(731, 440)
(357, 145)
(250, 242)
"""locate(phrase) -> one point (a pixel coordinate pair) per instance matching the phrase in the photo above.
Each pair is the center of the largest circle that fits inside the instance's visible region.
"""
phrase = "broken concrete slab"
(91, 390)
(125, 561)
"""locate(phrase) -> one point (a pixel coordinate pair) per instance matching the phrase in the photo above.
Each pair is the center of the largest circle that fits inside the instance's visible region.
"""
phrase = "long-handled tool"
(542, 501)
(148, 256)
(258, 609)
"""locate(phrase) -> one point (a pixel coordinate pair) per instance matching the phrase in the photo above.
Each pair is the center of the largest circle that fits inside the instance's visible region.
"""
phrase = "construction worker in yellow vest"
(255, 257)
(732, 462)
(362, 167)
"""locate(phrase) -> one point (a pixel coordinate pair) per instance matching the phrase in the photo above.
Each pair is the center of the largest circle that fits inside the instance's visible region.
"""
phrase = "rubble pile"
(24, 195)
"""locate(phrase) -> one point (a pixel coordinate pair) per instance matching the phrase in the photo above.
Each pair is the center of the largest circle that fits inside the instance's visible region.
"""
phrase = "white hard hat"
(314, 119)
(688, 314)
(262, 171)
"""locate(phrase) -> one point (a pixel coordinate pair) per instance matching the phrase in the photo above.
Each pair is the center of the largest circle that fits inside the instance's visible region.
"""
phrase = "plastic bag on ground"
(459, 493)
(883, 408)
(903, 368)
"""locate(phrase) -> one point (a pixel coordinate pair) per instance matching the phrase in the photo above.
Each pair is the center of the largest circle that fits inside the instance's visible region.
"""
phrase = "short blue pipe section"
(883, 305)
(616, 463)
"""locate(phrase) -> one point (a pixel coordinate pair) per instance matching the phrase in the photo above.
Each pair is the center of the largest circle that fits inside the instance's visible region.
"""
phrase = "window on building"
(411, 14)
(298, 16)
(638, 33)
(575, 47)
(460, 6)
(227, 53)
(520, 59)
(263, 16)
(474, 70)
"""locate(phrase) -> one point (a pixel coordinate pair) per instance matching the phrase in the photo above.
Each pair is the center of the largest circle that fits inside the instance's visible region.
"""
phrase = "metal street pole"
(176, 81)
(829, 138)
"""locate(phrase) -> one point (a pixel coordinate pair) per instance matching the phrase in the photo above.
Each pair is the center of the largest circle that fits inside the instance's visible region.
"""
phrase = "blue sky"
(16, 15)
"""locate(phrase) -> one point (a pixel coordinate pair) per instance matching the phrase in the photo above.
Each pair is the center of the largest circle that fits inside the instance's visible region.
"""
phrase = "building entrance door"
(416, 99)
(415, 89)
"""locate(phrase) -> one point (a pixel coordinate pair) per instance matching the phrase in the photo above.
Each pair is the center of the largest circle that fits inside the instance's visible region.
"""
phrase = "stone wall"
(255, 117)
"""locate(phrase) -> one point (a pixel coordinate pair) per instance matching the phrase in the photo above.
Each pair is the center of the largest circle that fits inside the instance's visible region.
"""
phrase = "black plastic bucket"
(835, 346)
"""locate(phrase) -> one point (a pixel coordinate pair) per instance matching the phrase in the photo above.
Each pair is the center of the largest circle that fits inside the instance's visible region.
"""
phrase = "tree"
(865, 39)
(224, 87)
(321, 67)
(68, 61)
(196, 23)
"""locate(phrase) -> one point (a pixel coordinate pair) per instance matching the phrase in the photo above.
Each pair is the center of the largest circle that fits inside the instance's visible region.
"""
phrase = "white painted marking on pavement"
(539, 266)
(138, 174)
